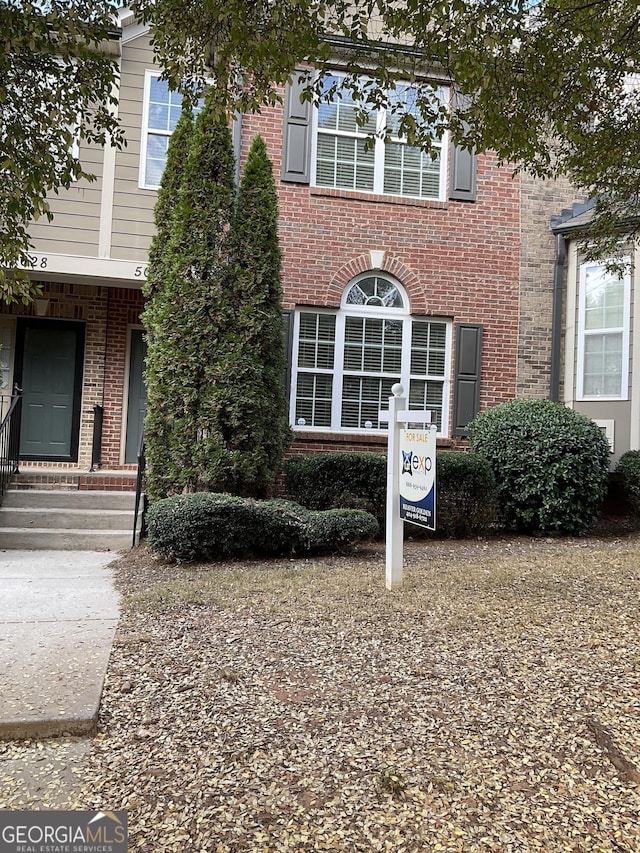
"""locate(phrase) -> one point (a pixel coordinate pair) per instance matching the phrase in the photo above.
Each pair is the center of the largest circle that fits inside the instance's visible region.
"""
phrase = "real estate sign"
(418, 476)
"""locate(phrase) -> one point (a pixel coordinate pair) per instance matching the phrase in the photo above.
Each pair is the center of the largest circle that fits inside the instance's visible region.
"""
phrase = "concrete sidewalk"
(58, 616)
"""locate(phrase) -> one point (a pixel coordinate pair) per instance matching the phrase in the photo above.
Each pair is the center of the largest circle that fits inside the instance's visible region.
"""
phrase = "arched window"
(345, 362)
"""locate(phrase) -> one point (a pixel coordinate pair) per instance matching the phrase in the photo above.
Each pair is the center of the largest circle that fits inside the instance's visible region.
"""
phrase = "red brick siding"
(124, 307)
(456, 260)
(107, 313)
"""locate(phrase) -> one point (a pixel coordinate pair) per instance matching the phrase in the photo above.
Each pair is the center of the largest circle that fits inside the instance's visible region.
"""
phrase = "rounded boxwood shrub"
(211, 526)
(628, 476)
(338, 527)
(550, 463)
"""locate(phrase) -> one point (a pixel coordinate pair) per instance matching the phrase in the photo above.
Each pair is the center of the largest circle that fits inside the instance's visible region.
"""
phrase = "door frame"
(79, 327)
(132, 327)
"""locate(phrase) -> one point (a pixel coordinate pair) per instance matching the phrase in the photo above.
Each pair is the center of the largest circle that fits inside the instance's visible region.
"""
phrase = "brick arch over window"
(364, 263)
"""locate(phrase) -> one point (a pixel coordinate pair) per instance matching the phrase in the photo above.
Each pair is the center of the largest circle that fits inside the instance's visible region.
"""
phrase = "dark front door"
(49, 371)
(137, 396)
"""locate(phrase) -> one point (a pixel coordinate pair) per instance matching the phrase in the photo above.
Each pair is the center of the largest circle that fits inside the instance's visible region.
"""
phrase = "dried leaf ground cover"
(491, 705)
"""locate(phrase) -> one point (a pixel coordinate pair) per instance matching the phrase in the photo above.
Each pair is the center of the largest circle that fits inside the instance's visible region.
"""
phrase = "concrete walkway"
(58, 616)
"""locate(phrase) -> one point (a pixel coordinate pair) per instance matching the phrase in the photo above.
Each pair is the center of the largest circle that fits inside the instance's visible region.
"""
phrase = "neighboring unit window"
(162, 109)
(347, 158)
(603, 342)
(346, 362)
(7, 336)
(6, 357)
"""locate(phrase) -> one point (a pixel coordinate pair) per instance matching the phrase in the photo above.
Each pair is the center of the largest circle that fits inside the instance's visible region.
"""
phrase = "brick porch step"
(38, 478)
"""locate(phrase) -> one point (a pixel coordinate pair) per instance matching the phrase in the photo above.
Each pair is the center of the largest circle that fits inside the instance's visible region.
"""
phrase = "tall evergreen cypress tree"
(245, 449)
(168, 197)
(186, 316)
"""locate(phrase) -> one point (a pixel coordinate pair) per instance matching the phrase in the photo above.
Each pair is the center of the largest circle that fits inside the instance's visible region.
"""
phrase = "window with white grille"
(346, 362)
(603, 333)
(347, 156)
(161, 111)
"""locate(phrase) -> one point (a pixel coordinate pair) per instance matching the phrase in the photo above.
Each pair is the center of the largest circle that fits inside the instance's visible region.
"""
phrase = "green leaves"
(550, 463)
(215, 366)
(57, 87)
(213, 526)
(547, 81)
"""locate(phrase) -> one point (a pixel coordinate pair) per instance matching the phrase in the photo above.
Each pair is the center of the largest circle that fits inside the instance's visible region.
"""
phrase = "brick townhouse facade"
(438, 274)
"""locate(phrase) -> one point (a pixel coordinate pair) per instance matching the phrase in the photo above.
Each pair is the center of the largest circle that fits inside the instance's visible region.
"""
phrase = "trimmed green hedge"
(345, 480)
(466, 495)
(210, 526)
(550, 463)
(465, 487)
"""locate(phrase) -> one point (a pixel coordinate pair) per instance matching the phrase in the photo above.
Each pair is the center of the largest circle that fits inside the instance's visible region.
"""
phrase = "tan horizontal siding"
(76, 211)
(82, 199)
(128, 162)
(132, 223)
(139, 227)
(131, 247)
(142, 201)
(92, 157)
(73, 239)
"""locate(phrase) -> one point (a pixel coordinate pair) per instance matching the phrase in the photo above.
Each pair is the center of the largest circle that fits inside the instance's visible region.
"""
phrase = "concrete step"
(64, 518)
(47, 539)
(47, 519)
(66, 499)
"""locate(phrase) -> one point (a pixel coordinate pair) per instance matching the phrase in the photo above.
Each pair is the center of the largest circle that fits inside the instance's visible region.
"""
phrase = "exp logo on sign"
(413, 463)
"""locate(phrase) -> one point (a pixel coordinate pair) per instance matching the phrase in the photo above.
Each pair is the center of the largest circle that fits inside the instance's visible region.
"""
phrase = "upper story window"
(603, 333)
(346, 362)
(346, 157)
(161, 111)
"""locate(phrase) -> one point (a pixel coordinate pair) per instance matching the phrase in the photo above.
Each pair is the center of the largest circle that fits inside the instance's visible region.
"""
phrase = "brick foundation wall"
(332, 443)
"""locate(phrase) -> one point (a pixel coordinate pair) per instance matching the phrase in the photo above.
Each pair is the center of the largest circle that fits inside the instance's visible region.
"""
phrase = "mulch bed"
(492, 704)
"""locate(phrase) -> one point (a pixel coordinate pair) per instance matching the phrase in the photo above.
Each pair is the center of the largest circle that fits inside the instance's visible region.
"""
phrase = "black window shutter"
(462, 184)
(296, 138)
(466, 391)
(287, 331)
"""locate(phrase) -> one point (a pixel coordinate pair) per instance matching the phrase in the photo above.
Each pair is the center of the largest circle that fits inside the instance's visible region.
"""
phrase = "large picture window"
(347, 158)
(603, 329)
(346, 362)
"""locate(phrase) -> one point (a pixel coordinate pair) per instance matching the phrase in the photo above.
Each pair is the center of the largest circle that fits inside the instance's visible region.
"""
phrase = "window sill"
(602, 399)
(372, 198)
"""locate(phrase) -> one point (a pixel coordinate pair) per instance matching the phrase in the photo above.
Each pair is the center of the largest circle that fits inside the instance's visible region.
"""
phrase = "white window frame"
(379, 155)
(143, 183)
(583, 333)
(401, 314)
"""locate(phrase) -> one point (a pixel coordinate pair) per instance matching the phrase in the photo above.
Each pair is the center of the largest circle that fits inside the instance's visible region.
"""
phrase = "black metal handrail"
(96, 444)
(142, 464)
(10, 442)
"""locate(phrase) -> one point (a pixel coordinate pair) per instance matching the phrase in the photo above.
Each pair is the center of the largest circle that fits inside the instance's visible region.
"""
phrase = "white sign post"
(398, 415)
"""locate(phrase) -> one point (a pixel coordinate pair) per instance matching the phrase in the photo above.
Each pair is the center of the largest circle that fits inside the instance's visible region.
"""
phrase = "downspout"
(236, 137)
(556, 317)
